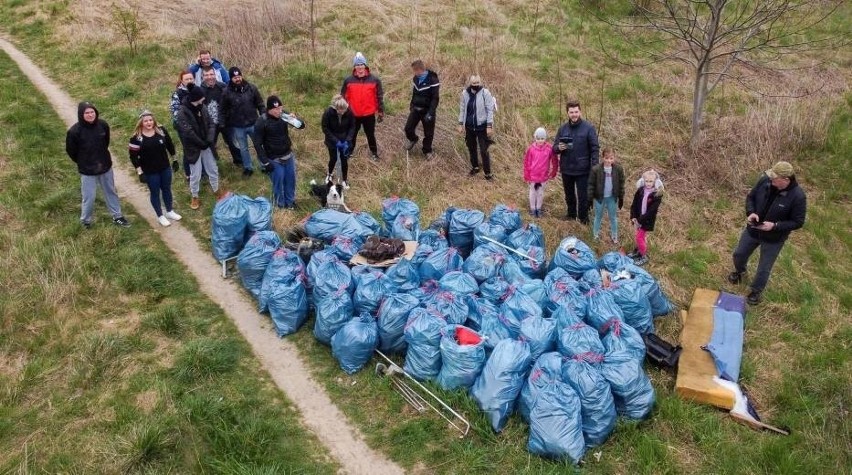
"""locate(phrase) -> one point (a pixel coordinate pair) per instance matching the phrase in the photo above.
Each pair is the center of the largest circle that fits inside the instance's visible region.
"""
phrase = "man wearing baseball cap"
(275, 150)
(774, 207)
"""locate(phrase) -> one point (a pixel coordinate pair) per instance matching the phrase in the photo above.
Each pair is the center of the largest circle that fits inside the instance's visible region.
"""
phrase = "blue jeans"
(283, 178)
(611, 206)
(239, 137)
(160, 183)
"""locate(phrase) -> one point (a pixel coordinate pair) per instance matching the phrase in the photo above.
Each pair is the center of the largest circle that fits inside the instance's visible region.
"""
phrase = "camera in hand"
(568, 141)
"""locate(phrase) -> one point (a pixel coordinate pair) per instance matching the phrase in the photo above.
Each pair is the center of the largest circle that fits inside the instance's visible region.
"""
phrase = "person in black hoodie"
(275, 151)
(576, 144)
(197, 131)
(241, 105)
(775, 207)
(87, 143)
(338, 126)
(425, 94)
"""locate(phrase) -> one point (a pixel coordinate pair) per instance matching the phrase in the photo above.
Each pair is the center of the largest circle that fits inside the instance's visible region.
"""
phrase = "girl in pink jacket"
(540, 165)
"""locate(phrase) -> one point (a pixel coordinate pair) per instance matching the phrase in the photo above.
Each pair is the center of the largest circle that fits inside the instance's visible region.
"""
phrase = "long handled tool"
(415, 399)
(512, 249)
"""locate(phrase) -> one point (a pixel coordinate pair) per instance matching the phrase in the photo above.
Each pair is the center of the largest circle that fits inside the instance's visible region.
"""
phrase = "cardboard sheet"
(410, 248)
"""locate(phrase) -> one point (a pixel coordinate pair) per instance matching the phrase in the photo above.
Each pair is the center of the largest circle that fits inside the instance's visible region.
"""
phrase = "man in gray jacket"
(476, 121)
(576, 144)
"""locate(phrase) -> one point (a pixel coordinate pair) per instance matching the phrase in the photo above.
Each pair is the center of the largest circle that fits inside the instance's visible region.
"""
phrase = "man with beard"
(241, 105)
(206, 62)
(576, 144)
(214, 90)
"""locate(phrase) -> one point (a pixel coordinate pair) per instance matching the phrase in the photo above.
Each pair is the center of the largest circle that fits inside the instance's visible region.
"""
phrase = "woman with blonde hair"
(338, 125)
(150, 148)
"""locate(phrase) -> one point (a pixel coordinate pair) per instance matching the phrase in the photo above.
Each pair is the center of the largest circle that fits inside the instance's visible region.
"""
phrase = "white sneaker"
(173, 216)
(329, 178)
(345, 185)
(163, 221)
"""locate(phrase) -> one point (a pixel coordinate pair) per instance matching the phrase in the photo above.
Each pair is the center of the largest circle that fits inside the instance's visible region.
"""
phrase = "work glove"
(429, 118)
(341, 145)
(142, 178)
(268, 167)
(620, 203)
(175, 166)
(537, 186)
(380, 117)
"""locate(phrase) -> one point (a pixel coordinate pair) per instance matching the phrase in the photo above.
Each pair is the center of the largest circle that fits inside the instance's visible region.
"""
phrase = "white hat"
(540, 133)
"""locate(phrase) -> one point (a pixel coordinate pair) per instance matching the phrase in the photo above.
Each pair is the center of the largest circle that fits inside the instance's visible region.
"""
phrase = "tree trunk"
(699, 96)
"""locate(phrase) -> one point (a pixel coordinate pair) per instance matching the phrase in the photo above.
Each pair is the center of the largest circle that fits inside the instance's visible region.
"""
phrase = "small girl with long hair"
(540, 165)
(643, 212)
(150, 148)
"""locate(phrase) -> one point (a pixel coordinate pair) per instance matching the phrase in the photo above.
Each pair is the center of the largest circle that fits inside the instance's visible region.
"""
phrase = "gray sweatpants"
(88, 188)
(207, 163)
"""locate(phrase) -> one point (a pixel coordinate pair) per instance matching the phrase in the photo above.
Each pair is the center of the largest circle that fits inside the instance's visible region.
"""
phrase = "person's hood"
(81, 107)
(658, 185)
(366, 69)
(546, 145)
(430, 76)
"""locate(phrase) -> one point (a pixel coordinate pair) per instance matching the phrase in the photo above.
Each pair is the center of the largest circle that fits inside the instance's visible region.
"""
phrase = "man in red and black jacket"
(365, 96)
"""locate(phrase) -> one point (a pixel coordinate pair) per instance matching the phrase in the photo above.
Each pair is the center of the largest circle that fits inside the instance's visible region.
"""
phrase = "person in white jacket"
(476, 121)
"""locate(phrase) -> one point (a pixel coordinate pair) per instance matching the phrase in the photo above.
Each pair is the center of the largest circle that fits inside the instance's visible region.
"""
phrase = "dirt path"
(279, 357)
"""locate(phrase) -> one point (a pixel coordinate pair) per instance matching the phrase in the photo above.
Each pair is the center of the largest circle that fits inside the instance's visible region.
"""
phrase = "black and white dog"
(330, 195)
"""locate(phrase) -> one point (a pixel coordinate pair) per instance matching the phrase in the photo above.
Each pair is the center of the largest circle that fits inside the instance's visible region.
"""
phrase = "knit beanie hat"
(195, 94)
(272, 102)
(540, 133)
(234, 71)
(359, 59)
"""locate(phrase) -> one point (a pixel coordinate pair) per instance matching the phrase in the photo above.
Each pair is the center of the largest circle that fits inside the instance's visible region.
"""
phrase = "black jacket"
(271, 138)
(88, 144)
(151, 153)
(787, 210)
(337, 127)
(596, 183)
(647, 220)
(195, 129)
(426, 96)
(583, 155)
(213, 96)
(241, 105)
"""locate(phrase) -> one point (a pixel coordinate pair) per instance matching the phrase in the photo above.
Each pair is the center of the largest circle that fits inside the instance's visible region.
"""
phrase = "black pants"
(235, 152)
(415, 117)
(768, 254)
(369, 124)
(478, 139)
(578, 204)
(332, 161)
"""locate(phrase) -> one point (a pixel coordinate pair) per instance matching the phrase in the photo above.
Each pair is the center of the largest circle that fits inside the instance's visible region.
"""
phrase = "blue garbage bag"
(480, 309)
(534, 267)
(404, 276)
(459, 282)
(507, 216)
(499, 327)
(519, 305)
(660, 304)
(283, 264)
(354, 343)
(621, 337)
(462, 224)
(442, 223)
(501, 380)
(494, 289)
(420, 254)
(393, 315)
(367, 220)
(345, 248)
(546, 368)
(535, 289)
(494, 232)
(259, 214)
(556, 424)
(228, 227)
(334, 277)
(526, 236)
(317, 259)
(634, 304)
(540, 333)
(426, 290)
(563, 290)
(511, 271)
(332, 312)
(254, 258)
(601, 308)
(580, 340)
(395, 206)
(613, 261)
(597, 406)
(432, 238)
(574, 256)
(565, 316)
(370, 287)
(287, 302)
(485, 262)
(461, 363)
(326, 224)
(452, 307)
(591, 279)
(439, 263)
(423, 333)
(405, 227)
(631, 388)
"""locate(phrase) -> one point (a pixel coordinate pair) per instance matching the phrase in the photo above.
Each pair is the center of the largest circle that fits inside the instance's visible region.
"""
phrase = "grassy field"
(796, 361)
(111, 360)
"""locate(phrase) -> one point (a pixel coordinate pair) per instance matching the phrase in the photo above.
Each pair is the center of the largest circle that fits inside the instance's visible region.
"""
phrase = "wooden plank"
(696, 368)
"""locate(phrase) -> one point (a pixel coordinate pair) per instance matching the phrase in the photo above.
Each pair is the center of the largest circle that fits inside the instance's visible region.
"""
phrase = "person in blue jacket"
(206, 62)
(576, 143)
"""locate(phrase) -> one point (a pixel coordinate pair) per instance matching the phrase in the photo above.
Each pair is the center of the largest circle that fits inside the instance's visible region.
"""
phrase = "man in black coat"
(775, 207)
(425, 94)
(197, 133)
(275, 151)
(576, 143)
(87, 143)
(214, 92)
(241, 106)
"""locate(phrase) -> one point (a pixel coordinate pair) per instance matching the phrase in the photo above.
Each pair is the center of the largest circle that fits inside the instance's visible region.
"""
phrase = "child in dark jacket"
(606, 189)
(643, 212)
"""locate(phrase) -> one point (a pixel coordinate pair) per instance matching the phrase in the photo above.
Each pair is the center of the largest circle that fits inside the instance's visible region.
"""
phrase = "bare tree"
(714, 37)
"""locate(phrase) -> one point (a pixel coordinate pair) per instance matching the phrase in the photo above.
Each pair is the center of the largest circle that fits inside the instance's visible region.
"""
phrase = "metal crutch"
(511, 249)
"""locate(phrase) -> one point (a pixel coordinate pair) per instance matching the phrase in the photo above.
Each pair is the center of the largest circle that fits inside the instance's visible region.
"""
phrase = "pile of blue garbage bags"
(556, 338)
